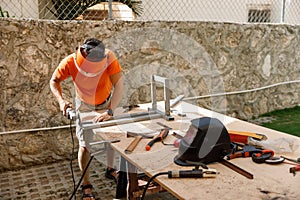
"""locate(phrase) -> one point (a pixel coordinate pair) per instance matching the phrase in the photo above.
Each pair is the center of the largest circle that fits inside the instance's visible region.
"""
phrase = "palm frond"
(68, 10)
(135, 5)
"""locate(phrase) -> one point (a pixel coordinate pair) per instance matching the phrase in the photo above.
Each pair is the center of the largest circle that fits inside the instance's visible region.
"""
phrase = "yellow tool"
(249, 134)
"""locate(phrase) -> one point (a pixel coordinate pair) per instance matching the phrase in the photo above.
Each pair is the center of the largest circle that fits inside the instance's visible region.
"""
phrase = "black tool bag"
(206, 141)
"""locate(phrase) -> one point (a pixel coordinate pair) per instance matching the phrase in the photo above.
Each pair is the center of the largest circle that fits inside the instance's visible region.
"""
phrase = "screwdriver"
(162, 135)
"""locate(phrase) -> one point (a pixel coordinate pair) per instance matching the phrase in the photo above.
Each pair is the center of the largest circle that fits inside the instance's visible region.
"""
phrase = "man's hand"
(63, 105)
(56, 90)
(100, 117)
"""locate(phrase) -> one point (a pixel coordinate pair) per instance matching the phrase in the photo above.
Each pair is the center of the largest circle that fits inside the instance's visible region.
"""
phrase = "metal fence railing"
(241, 11)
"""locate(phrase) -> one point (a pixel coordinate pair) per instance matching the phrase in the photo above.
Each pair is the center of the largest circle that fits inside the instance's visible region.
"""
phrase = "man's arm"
(57, 91)
(118, 83)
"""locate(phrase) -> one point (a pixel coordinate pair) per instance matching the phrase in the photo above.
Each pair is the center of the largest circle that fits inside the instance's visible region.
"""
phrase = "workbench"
(269, 182)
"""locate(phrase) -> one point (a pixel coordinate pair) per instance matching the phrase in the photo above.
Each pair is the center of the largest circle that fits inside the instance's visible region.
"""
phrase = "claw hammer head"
(134, 143)
(144, 135)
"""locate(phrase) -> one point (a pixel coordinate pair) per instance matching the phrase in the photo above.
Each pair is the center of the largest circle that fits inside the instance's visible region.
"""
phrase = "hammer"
(137, 139)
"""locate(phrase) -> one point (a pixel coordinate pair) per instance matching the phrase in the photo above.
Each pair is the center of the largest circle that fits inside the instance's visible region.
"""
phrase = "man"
(97, 77)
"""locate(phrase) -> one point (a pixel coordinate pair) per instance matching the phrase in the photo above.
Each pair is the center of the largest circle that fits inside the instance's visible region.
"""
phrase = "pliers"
(258, 155)
(296, 168)
(242, 151)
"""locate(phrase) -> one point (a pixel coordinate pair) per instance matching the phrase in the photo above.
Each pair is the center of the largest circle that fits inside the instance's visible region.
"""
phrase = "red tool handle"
(239, 138)
(265, 151)
(162, 135)
(256, 153)
(239, 154)
(295, 169)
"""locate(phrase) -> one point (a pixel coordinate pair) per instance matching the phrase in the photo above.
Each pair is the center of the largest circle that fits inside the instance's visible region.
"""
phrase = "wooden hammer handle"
(133, 144)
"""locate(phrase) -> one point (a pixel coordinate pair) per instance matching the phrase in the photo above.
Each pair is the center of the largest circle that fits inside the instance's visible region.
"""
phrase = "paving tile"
(54, 181)
(51, 181)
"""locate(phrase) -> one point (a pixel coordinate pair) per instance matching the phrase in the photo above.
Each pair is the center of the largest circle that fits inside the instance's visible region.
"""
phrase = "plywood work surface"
(270, 181)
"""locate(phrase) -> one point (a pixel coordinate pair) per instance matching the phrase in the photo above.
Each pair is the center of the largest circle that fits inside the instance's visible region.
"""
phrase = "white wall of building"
(282, 11)
(21, 8)
(217, 10)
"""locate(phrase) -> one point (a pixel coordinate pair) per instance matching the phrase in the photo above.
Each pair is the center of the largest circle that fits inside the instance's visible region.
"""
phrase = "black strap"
(84, 195)
(88, 195)
(83, 187)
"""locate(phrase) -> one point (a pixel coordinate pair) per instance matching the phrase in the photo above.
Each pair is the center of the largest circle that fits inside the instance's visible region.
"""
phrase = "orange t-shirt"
(91, 90)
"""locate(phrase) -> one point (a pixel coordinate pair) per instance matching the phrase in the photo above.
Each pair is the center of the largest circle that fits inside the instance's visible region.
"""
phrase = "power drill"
(70, 113)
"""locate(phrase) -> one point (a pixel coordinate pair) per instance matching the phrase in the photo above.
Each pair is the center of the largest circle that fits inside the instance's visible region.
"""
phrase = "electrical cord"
(71, 157)
(79, 182)
(150, 180)
(71, 115)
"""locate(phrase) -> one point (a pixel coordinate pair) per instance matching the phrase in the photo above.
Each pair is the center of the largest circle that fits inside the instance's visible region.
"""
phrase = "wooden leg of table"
(121, 190)
(133, 185)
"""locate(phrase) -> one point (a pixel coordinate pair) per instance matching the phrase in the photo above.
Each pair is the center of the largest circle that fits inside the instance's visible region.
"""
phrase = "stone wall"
(19, 150)
(200, 58)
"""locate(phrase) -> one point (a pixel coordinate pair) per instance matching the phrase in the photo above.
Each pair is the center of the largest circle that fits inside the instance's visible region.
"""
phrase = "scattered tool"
(257, 155)
(292, 160)
(262, 156)
(145, 135)
(137, 139)
(243, 137)
(194, 173)
(246, 151)
(296, 168)
(163, 125)
(133, 144)
(236, 168)
(178, 136)
(177, 141)
(162, 135)
(274, 160)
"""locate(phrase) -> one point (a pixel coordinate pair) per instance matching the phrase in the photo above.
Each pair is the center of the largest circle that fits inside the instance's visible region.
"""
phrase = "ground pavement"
(54, 181)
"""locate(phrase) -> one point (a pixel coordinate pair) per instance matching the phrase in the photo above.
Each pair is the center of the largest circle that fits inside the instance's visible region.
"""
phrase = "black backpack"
(206, 141)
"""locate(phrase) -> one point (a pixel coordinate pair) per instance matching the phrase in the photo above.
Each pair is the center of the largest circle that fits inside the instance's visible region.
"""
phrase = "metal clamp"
(152, 113)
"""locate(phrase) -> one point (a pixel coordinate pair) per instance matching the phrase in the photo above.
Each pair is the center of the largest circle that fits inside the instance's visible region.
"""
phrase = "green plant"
(3, 12)
(286, 120)
(68, 10)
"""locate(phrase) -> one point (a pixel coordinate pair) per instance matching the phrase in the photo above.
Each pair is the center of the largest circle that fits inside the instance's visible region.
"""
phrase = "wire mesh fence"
(241, 11)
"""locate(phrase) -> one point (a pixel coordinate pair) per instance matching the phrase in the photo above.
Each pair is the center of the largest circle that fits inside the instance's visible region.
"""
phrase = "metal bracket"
(167, 93)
